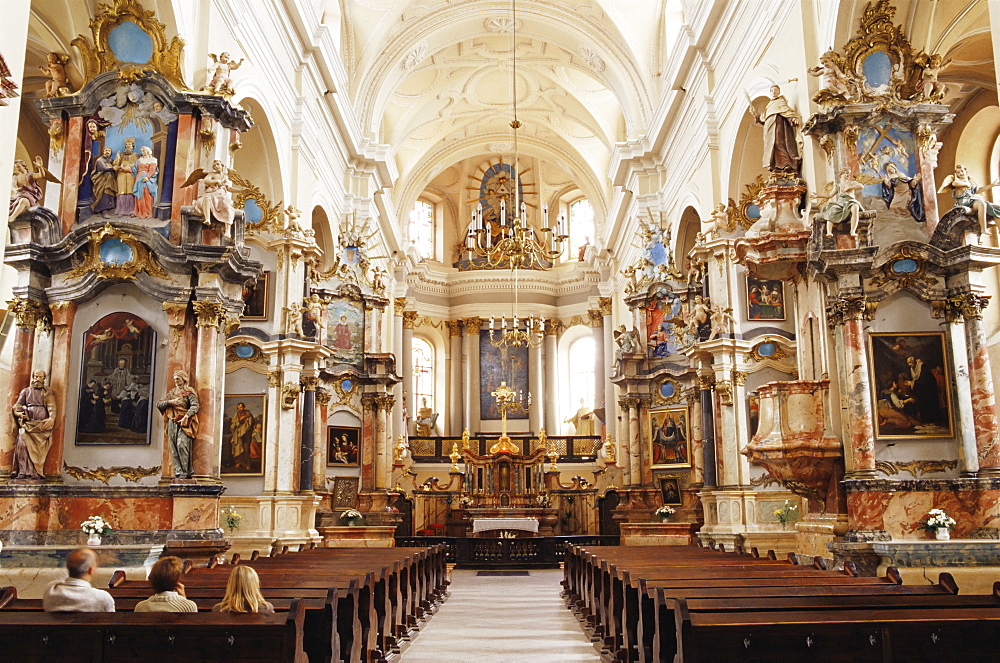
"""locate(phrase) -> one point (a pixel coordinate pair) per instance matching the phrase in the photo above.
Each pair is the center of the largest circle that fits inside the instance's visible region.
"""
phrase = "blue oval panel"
(667, 389)
(766, 349)
(346, 384)
(130, 43)
(253, 212)
(753, 211)
(877, 68)
(244, 351)
(115, 252)
(905, 266)
(658, 253)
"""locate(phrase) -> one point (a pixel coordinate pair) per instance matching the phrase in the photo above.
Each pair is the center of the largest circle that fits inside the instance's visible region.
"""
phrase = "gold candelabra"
(508, 400)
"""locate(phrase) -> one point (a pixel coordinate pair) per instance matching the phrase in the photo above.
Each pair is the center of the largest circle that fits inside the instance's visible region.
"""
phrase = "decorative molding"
(410, 319)
(29, 313)
(289, 395)
(501, 24)
(915, 467)
(676, 397)
(209, 314)
(105, 474)
(141, 259)
(591, 57)
(256, 357)
(415, 56)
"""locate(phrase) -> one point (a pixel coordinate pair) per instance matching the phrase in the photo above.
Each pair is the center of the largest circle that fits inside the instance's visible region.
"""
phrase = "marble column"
(398, 422)
(696, 449)
(535, 388)
(179, 344)
(605, 356)
(70, 188)
(207, 382)
(551, 382)
(369, 415)
(27, 316)
(470, 356)
(406, 369)
(63, 314)
(307, 452)
(454, 389)
(851, 312)
(383, 445)
(708, 431)
(984, 406)
(631, 406)
(319, 440)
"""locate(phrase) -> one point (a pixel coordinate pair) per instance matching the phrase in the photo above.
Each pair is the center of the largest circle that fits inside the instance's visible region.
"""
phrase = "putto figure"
(220, 78)
(55, 69)
(35, 412)
(25, 191)
(180, 409)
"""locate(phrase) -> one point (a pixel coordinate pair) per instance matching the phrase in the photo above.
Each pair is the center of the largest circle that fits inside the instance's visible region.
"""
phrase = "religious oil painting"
(116, 381)
(670, 490)
(910, 385)
(889, 172)
(669, 437)
(255, 298)
(343, 446)
(765, 300)
(346, 331)
(243, 433)
(496, 365)
(663, 313)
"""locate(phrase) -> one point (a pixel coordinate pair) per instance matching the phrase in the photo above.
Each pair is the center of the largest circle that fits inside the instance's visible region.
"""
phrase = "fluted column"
(307, 442)
(406, 369)
(551, 382)
(207, 453)
(454, 387)
(63, 314)
(398, 423)
(849, 313)
(28, 315)
(383, 447)
(470, 356)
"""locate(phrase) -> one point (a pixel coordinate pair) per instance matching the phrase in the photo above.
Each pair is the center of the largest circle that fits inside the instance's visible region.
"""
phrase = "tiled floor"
(502, 620)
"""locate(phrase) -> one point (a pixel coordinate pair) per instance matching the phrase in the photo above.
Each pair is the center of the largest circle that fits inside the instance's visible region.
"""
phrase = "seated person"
(243, 593)
(74, 594)
(165, 578)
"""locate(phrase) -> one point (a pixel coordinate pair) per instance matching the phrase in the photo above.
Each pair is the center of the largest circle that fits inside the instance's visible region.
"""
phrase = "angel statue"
(220, 74)
(929, 88)
(24, 188)
(967, 195)
(833, 80)
(55, 69)
(842, 204)
(217, 201)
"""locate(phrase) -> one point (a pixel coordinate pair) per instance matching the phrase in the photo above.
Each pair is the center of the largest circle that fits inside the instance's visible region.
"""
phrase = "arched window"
(581, 359)
(581, 225)
(421, 229)
(423, 375)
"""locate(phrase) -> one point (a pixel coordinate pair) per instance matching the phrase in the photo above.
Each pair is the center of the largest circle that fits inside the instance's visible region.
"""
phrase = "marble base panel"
(897, 506)
(374, 536)
(32, 581)
(873, 557)
(113, 556)
(658, 534)
(273, 520)
(781, 543)
(815, 531)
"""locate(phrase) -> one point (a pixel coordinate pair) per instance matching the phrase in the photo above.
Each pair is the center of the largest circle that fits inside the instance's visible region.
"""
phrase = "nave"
(497, 619)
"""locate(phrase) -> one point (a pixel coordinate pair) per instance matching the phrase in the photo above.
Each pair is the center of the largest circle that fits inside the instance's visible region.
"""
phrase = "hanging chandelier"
(511, 241)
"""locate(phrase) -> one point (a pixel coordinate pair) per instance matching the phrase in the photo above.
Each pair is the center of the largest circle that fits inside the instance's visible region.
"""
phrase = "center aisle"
(501, 619)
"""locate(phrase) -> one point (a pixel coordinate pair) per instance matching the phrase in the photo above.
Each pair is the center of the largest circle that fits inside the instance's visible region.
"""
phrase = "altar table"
(523, 524)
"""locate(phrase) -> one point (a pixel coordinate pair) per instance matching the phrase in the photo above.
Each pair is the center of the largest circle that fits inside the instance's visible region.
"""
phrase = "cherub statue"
(701, 310)
(216, 202)
(719, 221)
(842, 204)
(25, 191)
(293, 318)
(293, 227)
(833, 80)
(55, 69)
(966, 193)
(722, 322)
(628, 342)
(315, 307)
(220, 74)
(929, 88)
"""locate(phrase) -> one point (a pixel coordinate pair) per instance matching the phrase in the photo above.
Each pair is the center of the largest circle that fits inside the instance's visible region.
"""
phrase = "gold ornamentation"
(256, 357)
(368, 403)
(725, 391)
(409, 319)
(594, 319)
(706, 381)
(965, 306)
(399, 304)
(100, 58)
(274, 378)
(740, 211)
(57, 135)
(454, 327)
(604, 305)
(826, 142)
(915, 467)
(740, 378)
(851, 132)
(455, 456)
(385, 403)
(289, 395)
(244, 190)
(850, 308)
(209, 314)
(141, 258)
(610, 451)
(29, 313)
(779, 351)
(323, 396)
(878, 33)
(917, 280)
(472, 326)
(675, 396)
(105, 474)
(309, 382)
(554, 327)
(344, 395)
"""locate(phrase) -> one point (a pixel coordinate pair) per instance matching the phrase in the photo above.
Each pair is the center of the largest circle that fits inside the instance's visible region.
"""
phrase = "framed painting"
(255, 298)
(345, 492)
(910, 385)
(765, 299)
(115, 381)
(498, 365)
(670, 490)
(243, 434)
(669, 437)
(346, 331)
(343, 446)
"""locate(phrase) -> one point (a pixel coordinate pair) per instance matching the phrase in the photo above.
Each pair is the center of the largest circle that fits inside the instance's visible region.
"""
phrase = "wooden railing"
(571, 448)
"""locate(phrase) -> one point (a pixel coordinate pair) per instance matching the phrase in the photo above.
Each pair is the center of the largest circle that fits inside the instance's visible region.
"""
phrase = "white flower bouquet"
(351, 516)
(95, 525)
(465, 501)
(664, 512)
(937, 519)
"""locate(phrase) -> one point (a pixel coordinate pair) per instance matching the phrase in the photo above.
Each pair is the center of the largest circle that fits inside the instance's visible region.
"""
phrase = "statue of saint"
(180, 410)
(782, 147)
(25, 191)
(583, 420)
(35, 412)
(425, 419)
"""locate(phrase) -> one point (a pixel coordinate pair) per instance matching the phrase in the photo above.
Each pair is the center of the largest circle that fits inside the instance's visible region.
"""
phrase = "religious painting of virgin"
(765, 299)
(663, 312)
(243, 434)
(669, 437)
(115, 381)
(255, 298)
(496, 365)
(346, 331)
(343, 446)
(910, 385)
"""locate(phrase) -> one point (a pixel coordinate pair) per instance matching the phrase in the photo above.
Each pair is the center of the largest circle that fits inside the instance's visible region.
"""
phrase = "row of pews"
(690, 604)
(331, 604)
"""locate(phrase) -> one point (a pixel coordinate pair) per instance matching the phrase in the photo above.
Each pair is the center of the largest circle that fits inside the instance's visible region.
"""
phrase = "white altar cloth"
(485, 524)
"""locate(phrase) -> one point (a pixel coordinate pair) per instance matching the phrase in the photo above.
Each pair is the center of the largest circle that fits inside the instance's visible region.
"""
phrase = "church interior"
(485, 273)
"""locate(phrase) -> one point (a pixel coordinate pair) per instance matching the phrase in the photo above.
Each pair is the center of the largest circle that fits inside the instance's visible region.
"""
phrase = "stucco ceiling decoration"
(501, 24)
(591, 57)
(414, 57)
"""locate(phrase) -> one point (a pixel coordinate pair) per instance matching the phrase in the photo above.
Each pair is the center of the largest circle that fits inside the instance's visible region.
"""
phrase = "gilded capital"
(692, 395)
(472, 325)
(966, 306)
(29, 313)
(209, 314)
(553, 327)
(604, 305)
(176, 313)
(274, 378)
(454, 327)
(740, 378)
(399, 305)
(62, 312)
(850, 308)
(369, 403)
(309, 382)
(322, 396)
(595, 319)
(385, 402)
(410, 319)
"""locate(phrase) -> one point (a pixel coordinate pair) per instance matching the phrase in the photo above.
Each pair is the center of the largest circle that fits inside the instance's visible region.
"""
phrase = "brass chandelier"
(512, 241)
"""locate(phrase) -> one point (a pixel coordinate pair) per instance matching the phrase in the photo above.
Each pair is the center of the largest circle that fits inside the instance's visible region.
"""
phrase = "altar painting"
(669, 437)
(910, 385)
(243, 434)
(661, 336)
(115, 381)
(346, 331)
(496, 365)
(343, 446)
(255, 298)
(889, 170)
(765, 300)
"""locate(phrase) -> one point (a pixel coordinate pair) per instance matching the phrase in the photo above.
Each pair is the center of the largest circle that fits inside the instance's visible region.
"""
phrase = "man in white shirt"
(74, 594)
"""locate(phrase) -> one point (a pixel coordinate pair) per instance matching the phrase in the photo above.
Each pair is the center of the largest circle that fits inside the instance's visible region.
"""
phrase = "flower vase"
(94, 540)
(942, 534)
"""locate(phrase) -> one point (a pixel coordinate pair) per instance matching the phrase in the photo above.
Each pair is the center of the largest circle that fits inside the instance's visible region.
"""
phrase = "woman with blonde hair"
(243, 593)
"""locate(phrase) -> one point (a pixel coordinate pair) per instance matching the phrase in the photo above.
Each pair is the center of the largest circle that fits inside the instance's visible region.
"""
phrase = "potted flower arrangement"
(95, 527)
(939, 523)
(465, 501)
(352, 517)
(543, 500)
(785, 513)
(231, 518)
(664, 513)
